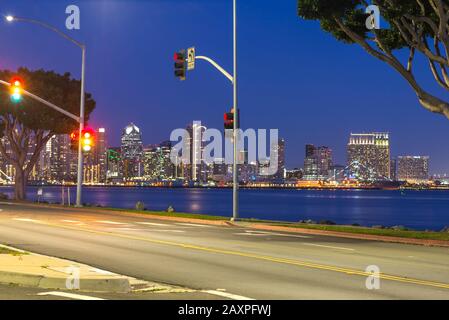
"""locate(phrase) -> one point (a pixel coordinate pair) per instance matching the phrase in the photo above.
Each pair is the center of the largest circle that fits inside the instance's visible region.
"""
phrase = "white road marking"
(126, 229)
(103, 272)
(277, 234)
(329, 247)
(192, 225)
(154, 224)
(27, 220)
(175, 231)
(250, 234)
(68, 295)
(110, 222)
(227, 295)
(71, 221)
(11, 248)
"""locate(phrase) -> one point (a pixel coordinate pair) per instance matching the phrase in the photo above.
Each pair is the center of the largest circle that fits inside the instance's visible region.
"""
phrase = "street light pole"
(79, 182)
(82, 100)
(235, 193)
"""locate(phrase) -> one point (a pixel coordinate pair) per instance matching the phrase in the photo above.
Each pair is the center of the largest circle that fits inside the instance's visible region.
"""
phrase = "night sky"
(293, 76)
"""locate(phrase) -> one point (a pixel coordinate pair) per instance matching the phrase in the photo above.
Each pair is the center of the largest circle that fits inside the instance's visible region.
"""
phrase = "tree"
(413, 26)
(26, 127)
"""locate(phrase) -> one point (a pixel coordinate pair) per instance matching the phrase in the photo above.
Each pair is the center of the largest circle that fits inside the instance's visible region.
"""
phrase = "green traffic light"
(16, 97)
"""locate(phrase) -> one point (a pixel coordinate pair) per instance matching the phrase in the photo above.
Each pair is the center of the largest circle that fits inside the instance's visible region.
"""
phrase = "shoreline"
(367, 188)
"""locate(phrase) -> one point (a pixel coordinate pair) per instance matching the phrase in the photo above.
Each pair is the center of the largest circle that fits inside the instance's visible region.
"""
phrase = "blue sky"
(293, 76)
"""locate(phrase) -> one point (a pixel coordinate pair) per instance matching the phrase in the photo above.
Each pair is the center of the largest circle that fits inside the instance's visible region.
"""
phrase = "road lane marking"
(250, 234)
(27, 220)
(68, 295)
(110, 222)
(193, 225)
(292, 262)
(329, 247)
(174, 231)
(277, 234)
(154, 224)
(226, 295)
(71, 221)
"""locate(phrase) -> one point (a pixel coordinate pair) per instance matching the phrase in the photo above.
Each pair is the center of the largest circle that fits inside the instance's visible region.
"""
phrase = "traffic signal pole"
(82, 100)
(79, 182)
(233, 79)
(235, 190)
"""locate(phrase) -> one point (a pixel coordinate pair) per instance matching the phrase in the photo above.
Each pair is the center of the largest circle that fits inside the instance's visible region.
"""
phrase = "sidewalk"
(34, 270)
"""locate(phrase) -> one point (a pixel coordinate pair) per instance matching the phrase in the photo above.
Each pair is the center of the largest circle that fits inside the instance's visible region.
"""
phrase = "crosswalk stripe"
(226, 295)
(68, 295)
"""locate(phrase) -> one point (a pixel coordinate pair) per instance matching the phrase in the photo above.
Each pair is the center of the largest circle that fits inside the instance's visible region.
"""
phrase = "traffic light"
(229, 120)
(74, 140)
(16, 89)
(180, 65)
(87, 139)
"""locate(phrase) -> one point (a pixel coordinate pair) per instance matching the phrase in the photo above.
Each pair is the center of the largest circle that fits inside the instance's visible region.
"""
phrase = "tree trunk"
(20, 184)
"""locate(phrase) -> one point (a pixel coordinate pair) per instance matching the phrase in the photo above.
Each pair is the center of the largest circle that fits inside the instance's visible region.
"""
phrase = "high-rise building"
(157, 162)
(281, 159)
(317, 163)
(414, 169)
(113, 165)
(101, 154)
(131, 152)
(393, 169)
(369, 156)
(58, 161)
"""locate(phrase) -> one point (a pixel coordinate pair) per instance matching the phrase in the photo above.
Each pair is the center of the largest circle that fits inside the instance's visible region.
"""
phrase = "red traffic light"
(180, 64)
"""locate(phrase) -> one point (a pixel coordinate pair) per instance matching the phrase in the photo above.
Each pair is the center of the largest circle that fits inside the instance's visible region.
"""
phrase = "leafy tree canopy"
(413, 25)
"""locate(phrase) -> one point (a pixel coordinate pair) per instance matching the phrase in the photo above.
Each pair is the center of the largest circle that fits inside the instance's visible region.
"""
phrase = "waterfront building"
(413, 169)
(100, 150)
(369, 156)
(393, 169)
(157, 163)
(113, 165)
(317, 163)
(131, 152)
(294, 174)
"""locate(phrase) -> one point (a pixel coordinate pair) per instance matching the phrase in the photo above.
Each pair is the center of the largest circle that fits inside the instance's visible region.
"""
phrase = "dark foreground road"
(234, 262)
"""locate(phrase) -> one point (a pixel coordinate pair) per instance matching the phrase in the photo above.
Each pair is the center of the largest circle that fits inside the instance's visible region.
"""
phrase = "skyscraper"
(131, 152)
(317, 163)
(101, 154)
(58, 160)
(157, 163)
(281, 159)
(414, 169)
(369, 156)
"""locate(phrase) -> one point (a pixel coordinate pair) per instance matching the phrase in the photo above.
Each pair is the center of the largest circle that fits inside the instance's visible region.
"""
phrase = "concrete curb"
(45, 282)
(46, 272)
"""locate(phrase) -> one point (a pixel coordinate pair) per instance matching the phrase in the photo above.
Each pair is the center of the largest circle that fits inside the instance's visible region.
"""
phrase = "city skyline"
(303, 88)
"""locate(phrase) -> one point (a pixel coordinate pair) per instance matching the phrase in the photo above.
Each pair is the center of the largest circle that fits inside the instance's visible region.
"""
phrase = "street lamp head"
(10, 18)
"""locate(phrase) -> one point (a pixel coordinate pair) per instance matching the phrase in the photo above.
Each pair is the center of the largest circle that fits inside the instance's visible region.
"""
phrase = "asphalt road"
(228, 262)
